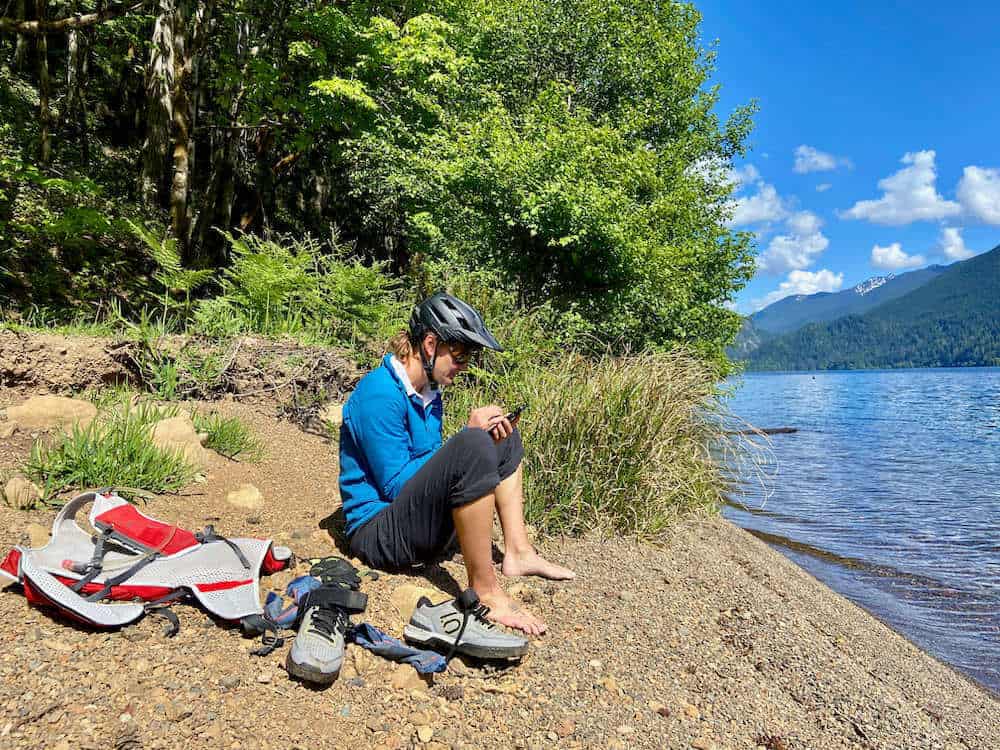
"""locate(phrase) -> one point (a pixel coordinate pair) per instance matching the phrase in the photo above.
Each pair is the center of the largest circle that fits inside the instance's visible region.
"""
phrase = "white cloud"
(796, 249)
(763, 206)
(952, 244)
(802, 282)
(809, 159)
(892, 258)
(908, 195)
(979, 192)
(823, 187)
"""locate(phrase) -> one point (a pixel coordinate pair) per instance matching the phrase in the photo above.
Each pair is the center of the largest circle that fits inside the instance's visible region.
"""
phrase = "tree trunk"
(44, 87)
(74, 108)
(21, 47)
(190, 35)
(159, 111)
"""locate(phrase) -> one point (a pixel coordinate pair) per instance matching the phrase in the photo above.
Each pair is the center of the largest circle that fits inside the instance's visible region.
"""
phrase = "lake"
(890, 494)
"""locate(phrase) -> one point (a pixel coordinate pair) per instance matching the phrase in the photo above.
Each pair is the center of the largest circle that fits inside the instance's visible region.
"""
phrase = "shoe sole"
(439, 642)
(308, 673)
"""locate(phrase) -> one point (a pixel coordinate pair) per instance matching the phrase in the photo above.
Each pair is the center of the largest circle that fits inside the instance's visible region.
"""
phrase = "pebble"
(230, 681)
(692, 711)
(596, 664)
(565, 728)
(626, 729)
(703, 743)
(264, 677)
(424, 734)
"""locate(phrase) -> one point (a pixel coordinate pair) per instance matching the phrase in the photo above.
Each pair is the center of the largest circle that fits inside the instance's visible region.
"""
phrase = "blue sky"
(876, 147)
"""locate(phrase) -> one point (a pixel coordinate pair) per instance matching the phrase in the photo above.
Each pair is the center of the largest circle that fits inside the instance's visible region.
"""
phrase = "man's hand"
(492, 419)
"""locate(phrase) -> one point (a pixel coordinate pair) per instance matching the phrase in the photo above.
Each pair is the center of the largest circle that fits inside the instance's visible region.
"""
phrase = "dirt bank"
(713, 641)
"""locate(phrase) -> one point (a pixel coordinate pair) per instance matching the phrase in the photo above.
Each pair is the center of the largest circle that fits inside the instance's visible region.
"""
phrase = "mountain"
(951, 320)
(791, 313)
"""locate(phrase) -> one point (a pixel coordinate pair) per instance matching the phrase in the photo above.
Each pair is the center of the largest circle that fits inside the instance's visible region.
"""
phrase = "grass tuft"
(114, 450)
(229, 437)
(619, 444)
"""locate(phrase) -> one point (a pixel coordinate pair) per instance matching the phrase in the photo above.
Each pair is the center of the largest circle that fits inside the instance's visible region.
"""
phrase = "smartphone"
(516, 413)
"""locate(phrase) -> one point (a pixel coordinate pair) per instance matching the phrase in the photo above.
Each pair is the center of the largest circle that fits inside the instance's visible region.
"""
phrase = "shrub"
(622, 444)
(284, 286)
(114, 450)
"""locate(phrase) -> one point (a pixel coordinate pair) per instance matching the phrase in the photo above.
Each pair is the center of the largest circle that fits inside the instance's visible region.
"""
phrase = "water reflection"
(889, 493)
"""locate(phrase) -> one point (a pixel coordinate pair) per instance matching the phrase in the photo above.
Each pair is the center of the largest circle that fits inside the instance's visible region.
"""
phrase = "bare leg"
(474, 525)
(520, 558)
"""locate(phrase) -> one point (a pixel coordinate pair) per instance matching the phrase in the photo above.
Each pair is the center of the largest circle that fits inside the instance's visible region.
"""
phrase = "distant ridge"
(793, 312)
(951, 320)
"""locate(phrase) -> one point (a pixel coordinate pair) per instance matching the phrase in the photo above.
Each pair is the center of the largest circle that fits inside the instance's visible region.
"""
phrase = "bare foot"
(506, 611)
(533, 564)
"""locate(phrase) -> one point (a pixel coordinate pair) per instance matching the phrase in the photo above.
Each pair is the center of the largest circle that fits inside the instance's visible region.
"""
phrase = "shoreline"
(713, 640)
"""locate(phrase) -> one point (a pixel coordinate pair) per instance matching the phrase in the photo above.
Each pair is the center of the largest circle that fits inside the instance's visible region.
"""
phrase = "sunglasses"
(461, 355)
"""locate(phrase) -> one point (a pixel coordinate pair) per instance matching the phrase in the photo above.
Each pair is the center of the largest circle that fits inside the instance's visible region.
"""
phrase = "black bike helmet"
(454, 322)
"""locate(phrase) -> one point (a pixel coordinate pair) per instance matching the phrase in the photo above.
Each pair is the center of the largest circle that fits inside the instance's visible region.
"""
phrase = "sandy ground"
(712, 641)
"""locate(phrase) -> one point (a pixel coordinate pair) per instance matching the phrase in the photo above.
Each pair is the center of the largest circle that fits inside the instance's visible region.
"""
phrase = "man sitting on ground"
(405, 494)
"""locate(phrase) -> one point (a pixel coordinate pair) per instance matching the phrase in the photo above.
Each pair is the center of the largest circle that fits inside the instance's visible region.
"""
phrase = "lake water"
(889, 493)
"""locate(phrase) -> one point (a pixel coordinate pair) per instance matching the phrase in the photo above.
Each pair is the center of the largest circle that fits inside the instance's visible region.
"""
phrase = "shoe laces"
(329, 621)
(479, 612)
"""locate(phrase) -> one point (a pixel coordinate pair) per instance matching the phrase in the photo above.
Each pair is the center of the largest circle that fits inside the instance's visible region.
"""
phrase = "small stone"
(552, 736)
(405, 677)
(46, 412)
(246, 496)
(178, 435)
(264, 677)
(565, 728)
(596, 664)
(610, 684)
(376, 724)
(692, 711)
(458, 668)
(419, 718)
(357, 682)
(21, 494)
(625, 729)
(7, 430)
(424, 734)
(405, 599)
(703, 743)
(664, 712)
(125, 718)
(176, 711)
(230, 681)
(301, 533)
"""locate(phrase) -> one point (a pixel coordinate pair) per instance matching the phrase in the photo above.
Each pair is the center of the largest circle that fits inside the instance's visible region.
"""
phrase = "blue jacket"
(386, 437)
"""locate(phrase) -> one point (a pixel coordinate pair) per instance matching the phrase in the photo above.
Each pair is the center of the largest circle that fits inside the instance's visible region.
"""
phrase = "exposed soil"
(714, 640)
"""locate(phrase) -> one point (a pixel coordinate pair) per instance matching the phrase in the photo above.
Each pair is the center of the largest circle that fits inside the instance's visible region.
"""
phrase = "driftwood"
(765, 431)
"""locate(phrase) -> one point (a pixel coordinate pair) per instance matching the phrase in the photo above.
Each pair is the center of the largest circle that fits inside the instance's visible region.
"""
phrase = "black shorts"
(417, 526)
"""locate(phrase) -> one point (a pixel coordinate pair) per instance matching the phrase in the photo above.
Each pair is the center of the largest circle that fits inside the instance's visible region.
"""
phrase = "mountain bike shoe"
(318, 650)
(459, 626)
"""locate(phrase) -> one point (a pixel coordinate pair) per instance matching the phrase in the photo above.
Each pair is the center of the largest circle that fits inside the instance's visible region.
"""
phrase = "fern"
(171, 274)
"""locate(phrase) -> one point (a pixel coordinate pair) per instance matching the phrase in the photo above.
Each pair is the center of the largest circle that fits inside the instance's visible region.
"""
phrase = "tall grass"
(229, 437)
(622, 444)
(113, 450)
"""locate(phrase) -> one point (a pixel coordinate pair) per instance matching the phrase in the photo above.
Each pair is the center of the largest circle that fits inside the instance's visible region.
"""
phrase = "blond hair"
(400, 346)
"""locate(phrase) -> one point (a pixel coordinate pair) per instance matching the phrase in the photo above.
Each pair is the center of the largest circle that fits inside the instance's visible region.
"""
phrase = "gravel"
(711, 641)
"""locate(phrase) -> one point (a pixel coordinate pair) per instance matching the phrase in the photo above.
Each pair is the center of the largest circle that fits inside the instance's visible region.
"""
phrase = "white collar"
(427, 395)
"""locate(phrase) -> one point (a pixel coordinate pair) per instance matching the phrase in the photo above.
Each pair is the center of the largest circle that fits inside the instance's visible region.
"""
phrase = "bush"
(113, 450)
(284, 286)
(620, 444)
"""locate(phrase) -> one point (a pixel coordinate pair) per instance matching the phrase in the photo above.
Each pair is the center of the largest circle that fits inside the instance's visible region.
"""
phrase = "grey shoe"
(459, 626)
(318, 650)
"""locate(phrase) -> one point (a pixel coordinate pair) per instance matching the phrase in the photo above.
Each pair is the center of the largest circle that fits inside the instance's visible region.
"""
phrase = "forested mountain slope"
(791, 313)
(952, 321)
